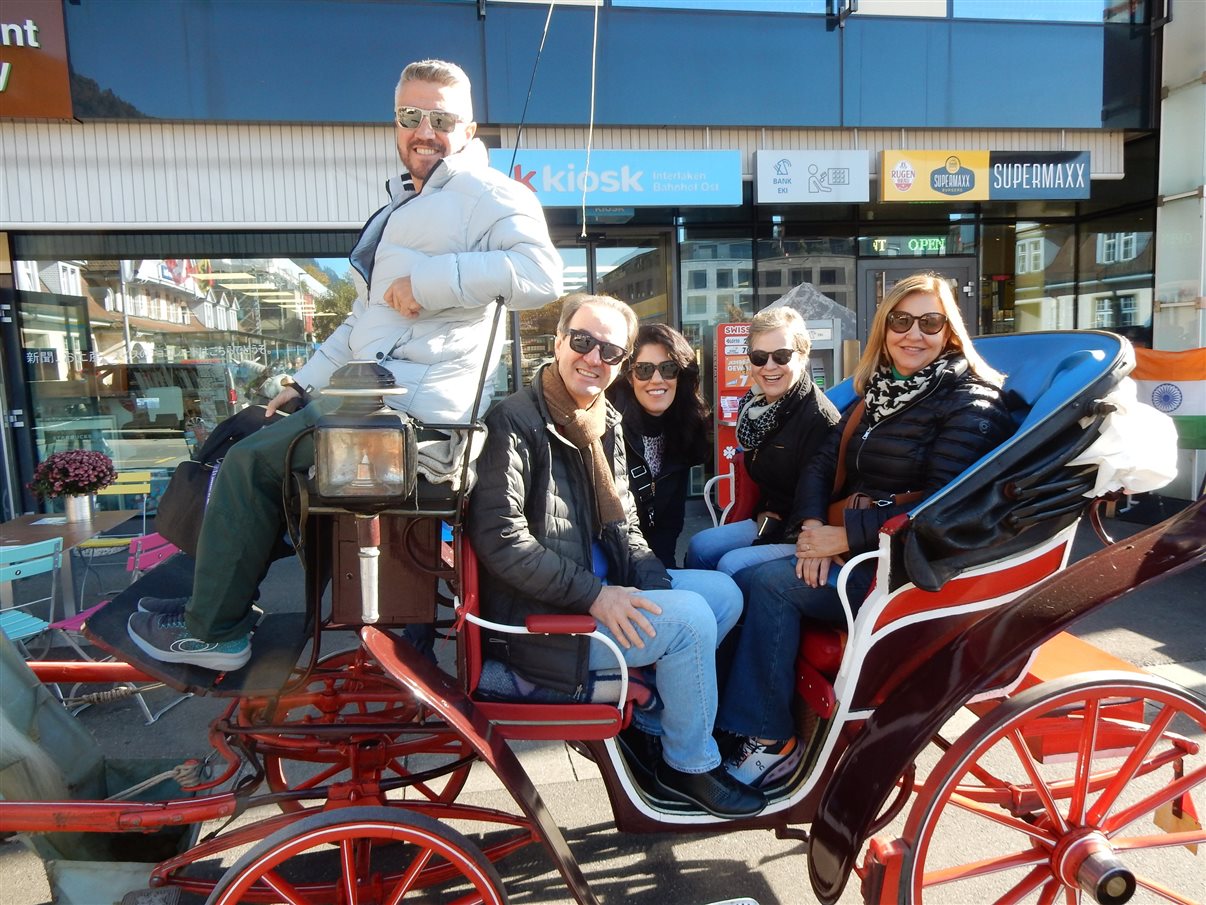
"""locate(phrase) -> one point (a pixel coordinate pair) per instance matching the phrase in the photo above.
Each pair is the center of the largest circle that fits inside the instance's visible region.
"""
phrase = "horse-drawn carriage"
(358, 755)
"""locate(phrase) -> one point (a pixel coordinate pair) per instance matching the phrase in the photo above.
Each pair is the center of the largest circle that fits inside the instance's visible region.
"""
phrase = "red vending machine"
(732, 379)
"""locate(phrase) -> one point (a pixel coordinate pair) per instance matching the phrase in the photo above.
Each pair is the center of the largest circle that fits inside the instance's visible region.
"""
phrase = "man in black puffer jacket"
(555, 530)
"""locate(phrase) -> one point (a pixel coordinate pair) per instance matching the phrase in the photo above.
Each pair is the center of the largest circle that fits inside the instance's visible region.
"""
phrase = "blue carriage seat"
(1019, 494)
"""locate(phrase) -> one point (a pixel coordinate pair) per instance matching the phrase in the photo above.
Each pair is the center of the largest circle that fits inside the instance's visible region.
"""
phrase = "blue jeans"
(762, 682)
(697, 612)
(727, 549)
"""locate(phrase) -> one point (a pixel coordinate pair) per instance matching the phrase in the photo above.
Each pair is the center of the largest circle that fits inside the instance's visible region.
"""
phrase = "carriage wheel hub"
(1084, 858)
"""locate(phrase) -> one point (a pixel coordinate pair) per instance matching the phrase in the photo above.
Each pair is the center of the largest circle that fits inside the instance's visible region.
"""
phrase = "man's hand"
(400, 297)
(287, 394)
(619, 609)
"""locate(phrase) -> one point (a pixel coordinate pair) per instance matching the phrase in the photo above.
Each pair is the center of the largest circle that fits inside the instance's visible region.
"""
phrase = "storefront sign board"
(626, 178)
(812, 177)
(1047, 175)
(34, 80)
(933, 176)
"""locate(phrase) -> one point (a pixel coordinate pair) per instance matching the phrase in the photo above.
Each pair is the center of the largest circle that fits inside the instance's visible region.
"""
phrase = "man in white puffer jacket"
(455, 237)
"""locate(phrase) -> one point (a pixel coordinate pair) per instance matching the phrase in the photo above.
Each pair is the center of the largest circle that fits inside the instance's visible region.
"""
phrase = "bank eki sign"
(626, 178)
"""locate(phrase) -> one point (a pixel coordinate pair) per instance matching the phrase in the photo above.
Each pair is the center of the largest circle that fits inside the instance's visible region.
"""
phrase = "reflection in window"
(1113, 248)
(724, 279)
(1104, 315)
(697, 279)
(1029, 10)
(1029, 255)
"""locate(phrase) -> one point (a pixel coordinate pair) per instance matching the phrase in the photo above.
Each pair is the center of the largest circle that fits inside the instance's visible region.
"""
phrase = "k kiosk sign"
(626, 178)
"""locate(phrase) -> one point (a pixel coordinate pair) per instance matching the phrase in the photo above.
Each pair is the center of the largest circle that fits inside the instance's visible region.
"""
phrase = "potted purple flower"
(75, 475)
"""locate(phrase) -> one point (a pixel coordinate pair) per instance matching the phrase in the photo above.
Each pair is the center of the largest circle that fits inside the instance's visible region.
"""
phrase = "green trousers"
(243, 521)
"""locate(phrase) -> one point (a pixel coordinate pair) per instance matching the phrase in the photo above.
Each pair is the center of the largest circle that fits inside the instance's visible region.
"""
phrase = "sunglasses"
(441, 120)
(609, 353)
(902, 322)
(643, 370)
(758, 357)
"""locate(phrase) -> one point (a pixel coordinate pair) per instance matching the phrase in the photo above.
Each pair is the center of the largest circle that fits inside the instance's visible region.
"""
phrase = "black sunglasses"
(609, 353)
(441, 120)
(758, 357)
(643, 370)
(902, 322)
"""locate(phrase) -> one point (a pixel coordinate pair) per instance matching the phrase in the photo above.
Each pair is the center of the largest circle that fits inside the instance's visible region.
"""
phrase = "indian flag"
(1175, 383)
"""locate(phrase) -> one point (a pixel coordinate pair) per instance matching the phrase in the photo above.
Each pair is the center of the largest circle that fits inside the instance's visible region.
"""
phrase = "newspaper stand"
(970, 584)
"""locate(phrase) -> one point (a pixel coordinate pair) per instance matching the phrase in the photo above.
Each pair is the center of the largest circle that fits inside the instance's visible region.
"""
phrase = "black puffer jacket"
(920, 448)
(531, 520)
(778, 462)
(662, 506)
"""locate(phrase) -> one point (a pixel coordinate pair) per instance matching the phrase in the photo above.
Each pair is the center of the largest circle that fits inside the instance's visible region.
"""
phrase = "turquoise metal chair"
(21, 622)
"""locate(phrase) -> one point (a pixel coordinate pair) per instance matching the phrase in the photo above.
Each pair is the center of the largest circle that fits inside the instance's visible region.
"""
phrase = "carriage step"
(162, 895)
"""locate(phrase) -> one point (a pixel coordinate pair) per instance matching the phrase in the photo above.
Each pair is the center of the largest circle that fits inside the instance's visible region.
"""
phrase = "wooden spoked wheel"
(1082, 789)
(362, 856)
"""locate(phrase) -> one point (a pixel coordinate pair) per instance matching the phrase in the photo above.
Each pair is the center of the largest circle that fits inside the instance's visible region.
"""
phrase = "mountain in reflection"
(88, 100)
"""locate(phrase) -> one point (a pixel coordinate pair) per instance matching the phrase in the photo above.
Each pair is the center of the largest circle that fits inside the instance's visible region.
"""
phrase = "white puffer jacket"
(470, 236)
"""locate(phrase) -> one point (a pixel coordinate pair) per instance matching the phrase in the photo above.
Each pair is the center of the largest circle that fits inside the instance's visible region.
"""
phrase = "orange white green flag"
(1175, 383)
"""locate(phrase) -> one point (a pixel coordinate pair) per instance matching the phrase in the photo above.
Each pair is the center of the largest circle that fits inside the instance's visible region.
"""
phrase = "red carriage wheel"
(349, 687)
(1092, 783)
(362, 856)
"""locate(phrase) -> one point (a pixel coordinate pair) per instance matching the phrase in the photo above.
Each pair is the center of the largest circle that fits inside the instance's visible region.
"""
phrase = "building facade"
(173, 232)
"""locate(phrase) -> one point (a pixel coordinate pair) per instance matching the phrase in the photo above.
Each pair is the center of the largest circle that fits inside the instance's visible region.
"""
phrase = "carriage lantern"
(364, 451)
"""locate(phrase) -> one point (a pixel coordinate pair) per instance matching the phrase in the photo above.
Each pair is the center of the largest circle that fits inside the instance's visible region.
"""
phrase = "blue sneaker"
(165, 637)
(162, 606)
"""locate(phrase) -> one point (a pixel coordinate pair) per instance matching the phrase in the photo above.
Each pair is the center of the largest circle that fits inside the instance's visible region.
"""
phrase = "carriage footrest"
(163, 895)
(275, 646)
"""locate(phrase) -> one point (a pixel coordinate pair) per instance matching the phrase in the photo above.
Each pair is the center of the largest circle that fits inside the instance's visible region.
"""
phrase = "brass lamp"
(364, 452)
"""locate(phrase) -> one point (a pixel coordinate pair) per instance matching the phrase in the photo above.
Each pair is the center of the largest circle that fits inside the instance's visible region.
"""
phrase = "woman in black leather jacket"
(665, 431)
(932, 408)
(781, 423)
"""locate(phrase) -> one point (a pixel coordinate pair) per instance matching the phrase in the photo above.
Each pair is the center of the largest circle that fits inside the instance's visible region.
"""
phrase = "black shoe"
(642, 749)
(715, 791)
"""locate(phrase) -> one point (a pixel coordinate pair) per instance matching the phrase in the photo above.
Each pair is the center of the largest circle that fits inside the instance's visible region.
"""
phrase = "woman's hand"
(815, 548)
(400, 297)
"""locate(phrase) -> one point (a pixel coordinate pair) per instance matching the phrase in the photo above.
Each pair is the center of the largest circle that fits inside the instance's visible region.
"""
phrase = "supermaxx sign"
(937, 175)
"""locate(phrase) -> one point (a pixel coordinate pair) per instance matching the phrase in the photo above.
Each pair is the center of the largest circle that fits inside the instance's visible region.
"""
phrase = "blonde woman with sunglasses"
(665, 432)
(932, 408)
(781, 422)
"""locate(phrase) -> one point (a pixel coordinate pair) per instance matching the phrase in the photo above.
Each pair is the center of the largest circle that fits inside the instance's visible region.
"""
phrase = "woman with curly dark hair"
(665, 431)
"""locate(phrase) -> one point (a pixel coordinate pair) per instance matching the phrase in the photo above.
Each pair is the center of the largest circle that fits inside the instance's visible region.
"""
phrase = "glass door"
(877, 277)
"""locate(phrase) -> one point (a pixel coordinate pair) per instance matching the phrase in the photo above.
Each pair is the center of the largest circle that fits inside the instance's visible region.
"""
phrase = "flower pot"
(78, 508)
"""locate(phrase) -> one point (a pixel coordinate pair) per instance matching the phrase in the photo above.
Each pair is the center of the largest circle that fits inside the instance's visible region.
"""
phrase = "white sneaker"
(761, 766)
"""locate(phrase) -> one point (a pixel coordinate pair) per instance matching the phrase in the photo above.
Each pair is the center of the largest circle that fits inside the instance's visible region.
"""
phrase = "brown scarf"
(584, 428)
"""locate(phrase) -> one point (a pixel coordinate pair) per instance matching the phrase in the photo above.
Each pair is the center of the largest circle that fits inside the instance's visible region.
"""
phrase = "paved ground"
(1161, 629)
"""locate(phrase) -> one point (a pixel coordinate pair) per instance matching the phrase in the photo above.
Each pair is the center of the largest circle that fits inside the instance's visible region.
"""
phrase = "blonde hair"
(438, 72)
(785, 318)
(875, 356)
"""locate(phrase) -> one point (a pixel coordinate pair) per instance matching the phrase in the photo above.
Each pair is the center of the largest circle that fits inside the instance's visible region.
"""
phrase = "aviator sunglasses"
(441, 120)
(758, 357)
(643, 370)
(930, 324)
(609, 353)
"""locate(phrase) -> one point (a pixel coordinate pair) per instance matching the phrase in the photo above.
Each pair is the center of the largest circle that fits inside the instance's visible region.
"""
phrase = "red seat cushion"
(822, 649)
